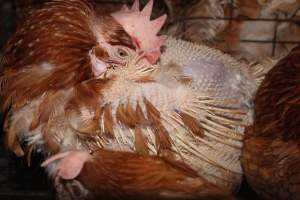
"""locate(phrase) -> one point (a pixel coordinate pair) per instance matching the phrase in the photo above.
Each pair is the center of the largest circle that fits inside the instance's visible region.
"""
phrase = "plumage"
(58, 38)
(124, 175)
(271, 153)
(189, 109)
(161, 109)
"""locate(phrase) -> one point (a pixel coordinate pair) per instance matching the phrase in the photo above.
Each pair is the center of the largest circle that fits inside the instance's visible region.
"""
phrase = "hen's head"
(142, 31)
(127, 34)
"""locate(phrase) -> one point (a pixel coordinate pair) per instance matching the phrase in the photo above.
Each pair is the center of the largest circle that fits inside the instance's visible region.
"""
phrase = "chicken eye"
(122, 53)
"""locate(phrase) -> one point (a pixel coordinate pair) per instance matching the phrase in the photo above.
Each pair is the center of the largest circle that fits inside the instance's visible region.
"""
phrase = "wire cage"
(245, 29)
(249, 31)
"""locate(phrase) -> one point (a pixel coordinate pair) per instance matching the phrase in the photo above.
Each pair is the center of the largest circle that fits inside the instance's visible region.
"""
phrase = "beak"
(152, 57)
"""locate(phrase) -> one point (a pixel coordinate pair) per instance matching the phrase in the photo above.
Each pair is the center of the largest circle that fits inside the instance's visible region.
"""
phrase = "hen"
(271, 154)
(63, 44)
(116, 124)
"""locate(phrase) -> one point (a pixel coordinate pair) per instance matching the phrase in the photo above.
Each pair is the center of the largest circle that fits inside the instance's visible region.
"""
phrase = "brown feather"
(127, 116)
(108, 121)
(141, 146)
(58, 33)
(35, 122)
(145, 79)
(277, 102)
(161, 135)
(51, 144)
(271, 154)
(131, 114)
(192, 124)
(123, 175)
(141, 119)
(46, 107)
(87, 95)
(29, 151)
(89, 127)
(92, 127)
(12, 142)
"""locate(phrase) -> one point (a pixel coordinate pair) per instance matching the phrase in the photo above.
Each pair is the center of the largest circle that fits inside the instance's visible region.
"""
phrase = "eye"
(119, 55)
(122, 53)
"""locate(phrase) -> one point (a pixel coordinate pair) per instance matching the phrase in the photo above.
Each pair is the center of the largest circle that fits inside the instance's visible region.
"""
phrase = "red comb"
(138, 25)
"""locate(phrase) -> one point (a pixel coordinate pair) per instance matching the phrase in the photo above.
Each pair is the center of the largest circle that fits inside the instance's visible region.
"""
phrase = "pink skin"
(98, 66)
(69, 164)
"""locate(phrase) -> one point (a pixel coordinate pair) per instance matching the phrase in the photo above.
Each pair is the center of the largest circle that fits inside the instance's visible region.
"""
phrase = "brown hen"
(271, 154)
(100, 89)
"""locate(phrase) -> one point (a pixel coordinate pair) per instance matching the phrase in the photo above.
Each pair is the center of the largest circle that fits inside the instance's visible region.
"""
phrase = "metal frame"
(276, 19)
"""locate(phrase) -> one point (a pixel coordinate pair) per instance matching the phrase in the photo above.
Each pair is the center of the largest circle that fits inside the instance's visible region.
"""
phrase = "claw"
(69, 164)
